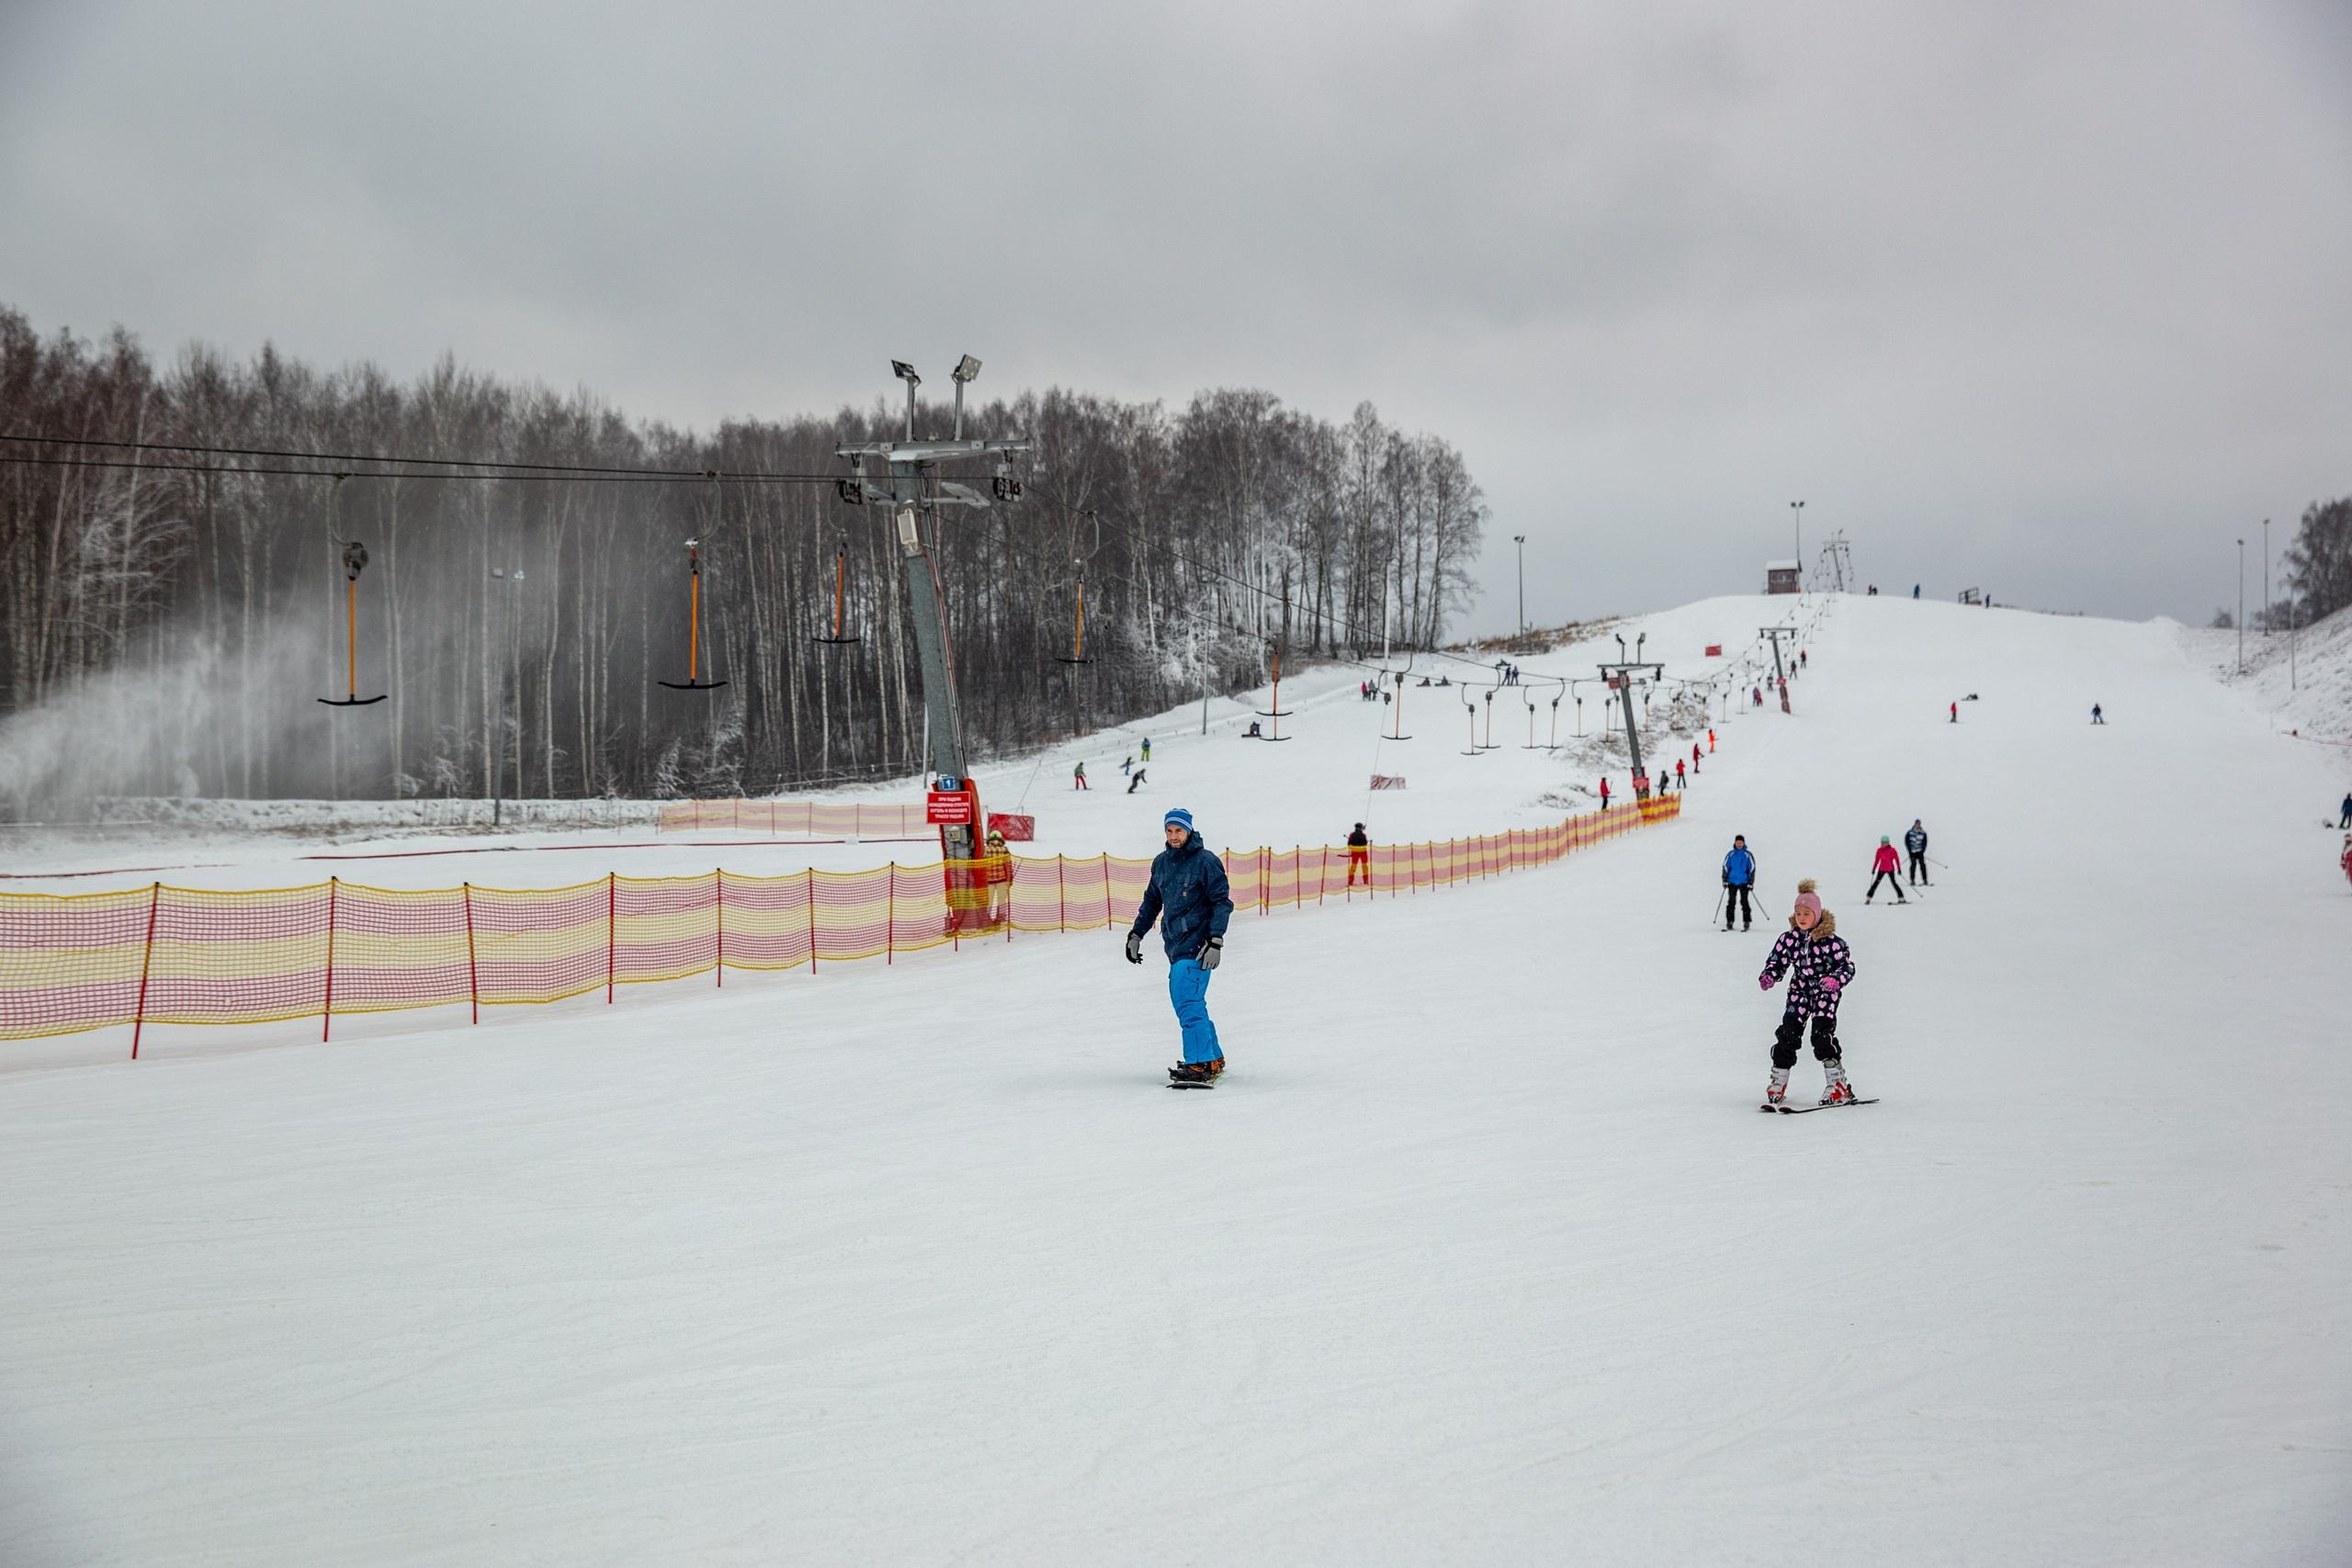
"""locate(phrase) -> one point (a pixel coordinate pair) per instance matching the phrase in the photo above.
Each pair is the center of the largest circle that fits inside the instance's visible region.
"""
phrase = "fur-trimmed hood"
(1822, 929)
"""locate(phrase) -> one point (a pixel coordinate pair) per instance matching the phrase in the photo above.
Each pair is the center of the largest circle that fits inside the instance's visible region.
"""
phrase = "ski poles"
(1719, 905)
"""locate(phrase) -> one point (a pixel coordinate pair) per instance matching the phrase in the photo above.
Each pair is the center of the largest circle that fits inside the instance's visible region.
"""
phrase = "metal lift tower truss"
(915, 496)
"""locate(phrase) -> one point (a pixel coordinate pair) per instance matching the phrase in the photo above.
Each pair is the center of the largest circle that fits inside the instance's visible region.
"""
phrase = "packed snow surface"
(1481, 1253)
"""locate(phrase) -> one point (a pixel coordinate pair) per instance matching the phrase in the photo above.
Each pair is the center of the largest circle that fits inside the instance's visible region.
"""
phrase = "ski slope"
(1481, 1254)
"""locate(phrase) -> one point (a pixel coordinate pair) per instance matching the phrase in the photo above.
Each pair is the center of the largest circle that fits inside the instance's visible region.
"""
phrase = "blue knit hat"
(1179, 816)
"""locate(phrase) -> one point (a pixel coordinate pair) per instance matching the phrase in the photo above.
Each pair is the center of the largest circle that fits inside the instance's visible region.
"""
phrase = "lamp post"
(1521, 540)
(2266, 577)
(2240, 606)
(1797, 509)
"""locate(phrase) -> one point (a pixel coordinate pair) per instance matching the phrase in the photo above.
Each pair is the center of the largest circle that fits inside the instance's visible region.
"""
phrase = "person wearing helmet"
(1887, 868)
(1360, 858)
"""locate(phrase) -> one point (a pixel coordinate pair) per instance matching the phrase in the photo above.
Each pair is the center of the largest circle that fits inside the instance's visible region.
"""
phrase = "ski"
(1802, 1110)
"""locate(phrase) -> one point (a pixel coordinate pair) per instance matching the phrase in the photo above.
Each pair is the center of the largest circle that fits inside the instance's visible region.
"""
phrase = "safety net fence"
(183, 955)
(806, 818)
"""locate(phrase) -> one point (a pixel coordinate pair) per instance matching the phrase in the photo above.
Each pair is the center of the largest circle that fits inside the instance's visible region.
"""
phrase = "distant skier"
(1955, 713)
(1915, 842)
(1694, 758)
(1604, 792)
(1358, 857)
(1710, 741)
(1799, 658)
(2096, 717)
(1756, 697)
(1078, 777)
(1188, 897)
(2345, 821)
(1739, 883)
(1885, 868)
(1127, 764)
(1915, 591)
(1820, 966)
(2346, 862)
(1146, 748)
(1679, 781)
(1136, 781)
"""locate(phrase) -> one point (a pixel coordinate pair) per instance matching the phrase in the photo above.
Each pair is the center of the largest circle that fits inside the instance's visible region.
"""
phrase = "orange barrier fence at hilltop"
(160, 954)
(811, 818)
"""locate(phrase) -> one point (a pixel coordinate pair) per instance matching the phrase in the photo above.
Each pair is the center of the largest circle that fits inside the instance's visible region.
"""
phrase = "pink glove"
(1830, 984)
(1764, 982)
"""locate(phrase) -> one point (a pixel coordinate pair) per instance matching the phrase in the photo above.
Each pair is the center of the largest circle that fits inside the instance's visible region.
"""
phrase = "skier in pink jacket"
(1886, 867)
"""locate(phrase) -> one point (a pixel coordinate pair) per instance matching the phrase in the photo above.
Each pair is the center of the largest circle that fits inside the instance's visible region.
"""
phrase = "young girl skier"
(1819, 967)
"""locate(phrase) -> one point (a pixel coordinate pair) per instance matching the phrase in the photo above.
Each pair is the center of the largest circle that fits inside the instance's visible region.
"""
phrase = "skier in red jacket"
(1886, 867)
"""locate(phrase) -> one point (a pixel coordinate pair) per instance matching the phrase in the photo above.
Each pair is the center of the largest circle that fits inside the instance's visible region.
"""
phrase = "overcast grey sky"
(2051, 298)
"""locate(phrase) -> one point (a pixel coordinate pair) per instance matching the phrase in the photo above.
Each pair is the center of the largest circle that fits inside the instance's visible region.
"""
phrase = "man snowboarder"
(1739, 883)
(1885, 868)
(1188, 897)
(1915, 842)
(1135, 783)
(1358, 857)
(1820, 966)
(1078, 777)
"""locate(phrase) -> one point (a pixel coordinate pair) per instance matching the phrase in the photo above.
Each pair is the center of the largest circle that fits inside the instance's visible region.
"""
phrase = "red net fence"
(798, 819)
(185, 955)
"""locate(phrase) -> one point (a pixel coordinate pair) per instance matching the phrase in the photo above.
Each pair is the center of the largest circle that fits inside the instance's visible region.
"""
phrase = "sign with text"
(1016, 830)
(948, 808)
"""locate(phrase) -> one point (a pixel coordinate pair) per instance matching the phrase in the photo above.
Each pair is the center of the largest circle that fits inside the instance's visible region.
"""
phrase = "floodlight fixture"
(965, 368)
(906, 372)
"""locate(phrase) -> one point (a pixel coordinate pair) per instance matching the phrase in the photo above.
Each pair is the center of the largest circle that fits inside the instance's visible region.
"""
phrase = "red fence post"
(326, 1011)
(889, 924)
(473, 974)
(612, 931)
(718, 881)
(1061, 896)
(147, 957)
(811, 874)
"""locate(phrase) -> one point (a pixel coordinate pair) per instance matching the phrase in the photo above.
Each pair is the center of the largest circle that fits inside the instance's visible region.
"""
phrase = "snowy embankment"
(1480, 1253)
(2301, 680)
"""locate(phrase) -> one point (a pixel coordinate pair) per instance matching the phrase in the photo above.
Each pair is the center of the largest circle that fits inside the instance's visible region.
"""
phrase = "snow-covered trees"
(1206, 517)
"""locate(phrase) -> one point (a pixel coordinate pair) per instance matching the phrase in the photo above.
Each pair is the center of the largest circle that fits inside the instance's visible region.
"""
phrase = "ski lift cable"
(398, 460)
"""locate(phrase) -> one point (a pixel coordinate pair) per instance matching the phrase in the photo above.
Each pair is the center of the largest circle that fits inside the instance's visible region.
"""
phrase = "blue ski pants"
(1188, 991)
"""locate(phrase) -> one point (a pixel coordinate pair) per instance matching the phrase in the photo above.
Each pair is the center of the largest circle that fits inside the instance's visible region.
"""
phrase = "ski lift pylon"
(354, 561)
(694, 683)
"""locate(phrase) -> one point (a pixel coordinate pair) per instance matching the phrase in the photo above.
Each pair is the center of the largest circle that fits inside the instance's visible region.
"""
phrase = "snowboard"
(1802, 1109)
(1192, 1083)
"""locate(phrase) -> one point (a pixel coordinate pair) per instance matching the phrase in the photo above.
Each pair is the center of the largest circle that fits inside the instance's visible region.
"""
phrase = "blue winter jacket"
(1187, 897)
(1739, 869)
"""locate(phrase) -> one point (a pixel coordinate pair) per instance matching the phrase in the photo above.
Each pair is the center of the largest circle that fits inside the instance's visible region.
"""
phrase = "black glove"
(1212, 952)
(1135, 947)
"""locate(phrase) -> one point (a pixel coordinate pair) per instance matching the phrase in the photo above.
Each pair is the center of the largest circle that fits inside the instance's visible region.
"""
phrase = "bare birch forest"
(220, 594)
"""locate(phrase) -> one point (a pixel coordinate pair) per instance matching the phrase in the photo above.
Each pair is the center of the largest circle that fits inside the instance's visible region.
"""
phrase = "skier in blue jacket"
(1189, 897)
(1739, 883)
